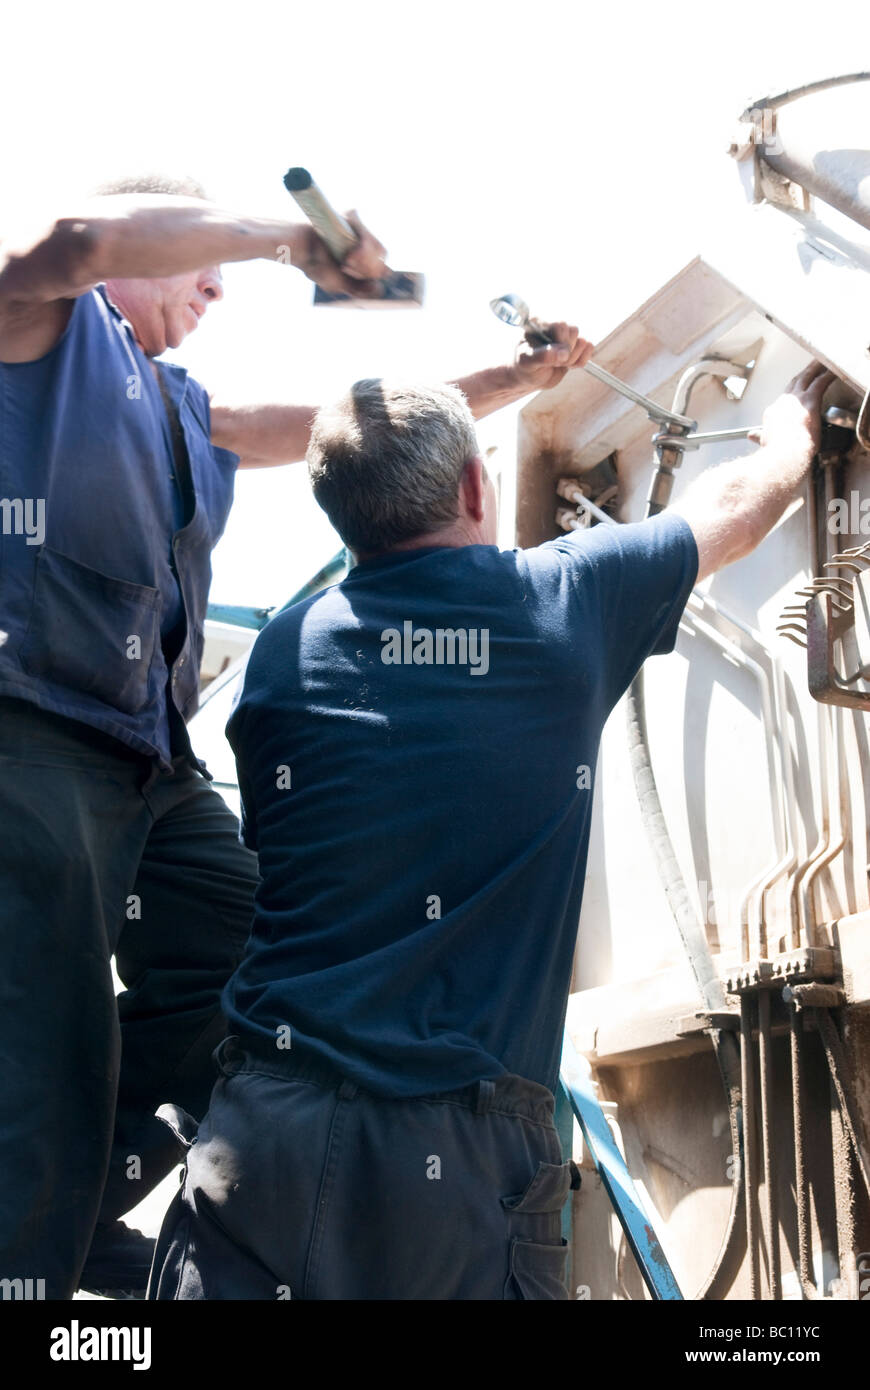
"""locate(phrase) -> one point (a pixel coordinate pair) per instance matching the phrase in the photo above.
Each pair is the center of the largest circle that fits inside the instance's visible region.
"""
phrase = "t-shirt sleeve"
(632, 582)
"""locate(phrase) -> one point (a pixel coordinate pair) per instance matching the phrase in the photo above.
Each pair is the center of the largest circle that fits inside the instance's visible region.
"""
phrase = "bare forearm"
(266, 435)
(491, 389)
(733, 507)
(263, 435)
(138, 236)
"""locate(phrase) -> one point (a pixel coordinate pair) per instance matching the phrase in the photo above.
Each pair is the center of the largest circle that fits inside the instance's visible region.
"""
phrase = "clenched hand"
(541, 368)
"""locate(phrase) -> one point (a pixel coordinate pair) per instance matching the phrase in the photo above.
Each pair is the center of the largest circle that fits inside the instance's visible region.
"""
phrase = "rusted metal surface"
(765, 1067)
(844, 1089)
(844, 1192)
(825, 627)
(814, 995)
(802, 1206)
(750, 1163)
(807, 963)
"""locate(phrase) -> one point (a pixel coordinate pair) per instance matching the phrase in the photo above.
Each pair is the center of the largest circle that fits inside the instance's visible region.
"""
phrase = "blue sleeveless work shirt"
(98, 572)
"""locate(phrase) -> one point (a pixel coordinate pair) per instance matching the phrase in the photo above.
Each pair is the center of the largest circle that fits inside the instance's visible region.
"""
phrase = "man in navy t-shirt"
(416, 750)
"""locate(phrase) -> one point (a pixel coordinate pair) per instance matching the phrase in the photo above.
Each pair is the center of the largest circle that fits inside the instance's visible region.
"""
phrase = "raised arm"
(732, 507)
(148, 236)
(533, 369)
(266, 435)
(263, 435)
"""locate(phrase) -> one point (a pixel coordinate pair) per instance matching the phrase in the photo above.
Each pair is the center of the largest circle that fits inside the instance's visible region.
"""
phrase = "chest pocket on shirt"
(91, 633)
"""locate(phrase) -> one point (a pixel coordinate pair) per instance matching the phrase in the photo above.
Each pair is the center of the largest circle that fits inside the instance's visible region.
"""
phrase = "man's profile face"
(163, 311)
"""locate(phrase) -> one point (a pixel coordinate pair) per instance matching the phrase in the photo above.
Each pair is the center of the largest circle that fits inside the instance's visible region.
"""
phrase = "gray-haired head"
(178, 186)
(385, 461)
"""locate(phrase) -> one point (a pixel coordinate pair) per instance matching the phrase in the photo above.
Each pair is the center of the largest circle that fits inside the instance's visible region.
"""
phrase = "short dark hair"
(386, 460)
(180, 186)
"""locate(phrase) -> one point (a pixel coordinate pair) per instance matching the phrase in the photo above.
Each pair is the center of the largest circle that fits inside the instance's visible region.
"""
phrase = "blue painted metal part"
(333, 571)
(652, 1262)
(563, 1119)
(257, 618)
(238, 615)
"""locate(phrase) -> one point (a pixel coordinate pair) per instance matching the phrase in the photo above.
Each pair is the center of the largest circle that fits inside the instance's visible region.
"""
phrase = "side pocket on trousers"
(548, 1189)
(537, 1258)
(537, 1271)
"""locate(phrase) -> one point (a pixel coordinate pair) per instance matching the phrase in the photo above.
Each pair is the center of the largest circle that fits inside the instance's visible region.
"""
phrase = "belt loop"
(347, 1090)
(485, 1094)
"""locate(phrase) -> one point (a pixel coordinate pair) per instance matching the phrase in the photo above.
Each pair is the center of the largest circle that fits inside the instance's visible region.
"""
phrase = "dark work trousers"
(300, 1185)
(102, 854)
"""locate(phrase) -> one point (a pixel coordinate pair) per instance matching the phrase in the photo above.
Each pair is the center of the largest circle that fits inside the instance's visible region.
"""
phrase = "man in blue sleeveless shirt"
(416, 750)
(116, 478)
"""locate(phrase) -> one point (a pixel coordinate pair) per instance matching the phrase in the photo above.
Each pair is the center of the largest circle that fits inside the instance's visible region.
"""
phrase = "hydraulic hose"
(692, 935)
(733, 1248)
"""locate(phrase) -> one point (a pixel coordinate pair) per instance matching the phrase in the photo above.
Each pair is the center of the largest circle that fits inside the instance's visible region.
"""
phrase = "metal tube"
(804, 1271)
(802, 901)
(669, 448)
(765, 1061)
(662, 481)
(832, 849)
(750, 1180)
(808, 88)
(579, 500)
(705, 366)
(695, 441)
(653, 410)
(844, 1192)
(776, 728)
(813, 157)
(694, 938)
(837, 179)
(831, 769)
(788, 780)
(774, 763)
(843, 1088)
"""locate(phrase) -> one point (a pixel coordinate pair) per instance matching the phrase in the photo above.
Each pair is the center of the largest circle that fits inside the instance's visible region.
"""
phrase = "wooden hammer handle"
(334, 229)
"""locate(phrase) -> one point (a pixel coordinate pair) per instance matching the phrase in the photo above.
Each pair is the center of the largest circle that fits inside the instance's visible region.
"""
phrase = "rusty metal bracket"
(814, 996)
(702, 1022)
(826, 625)
(805, 963)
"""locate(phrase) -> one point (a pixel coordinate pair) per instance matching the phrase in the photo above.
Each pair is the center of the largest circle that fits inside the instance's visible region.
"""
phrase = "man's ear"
(472, 488)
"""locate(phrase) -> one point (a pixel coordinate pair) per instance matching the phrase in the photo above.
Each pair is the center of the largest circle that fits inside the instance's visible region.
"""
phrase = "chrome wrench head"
(511, 309)
(515, 312)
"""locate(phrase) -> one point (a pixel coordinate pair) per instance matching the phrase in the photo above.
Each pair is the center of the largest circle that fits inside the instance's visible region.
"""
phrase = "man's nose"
(210, 284)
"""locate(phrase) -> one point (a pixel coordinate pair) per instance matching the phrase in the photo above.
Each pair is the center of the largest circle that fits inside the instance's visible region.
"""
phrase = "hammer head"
(402, 289)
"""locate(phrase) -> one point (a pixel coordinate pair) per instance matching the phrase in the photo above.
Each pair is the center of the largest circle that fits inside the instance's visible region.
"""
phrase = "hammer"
(401, 289)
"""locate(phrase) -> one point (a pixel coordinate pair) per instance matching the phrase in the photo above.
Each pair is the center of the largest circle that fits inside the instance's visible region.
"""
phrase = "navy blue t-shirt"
(422, 824)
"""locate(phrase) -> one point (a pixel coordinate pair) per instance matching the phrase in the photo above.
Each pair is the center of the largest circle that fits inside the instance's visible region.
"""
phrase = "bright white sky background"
(573, 153)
